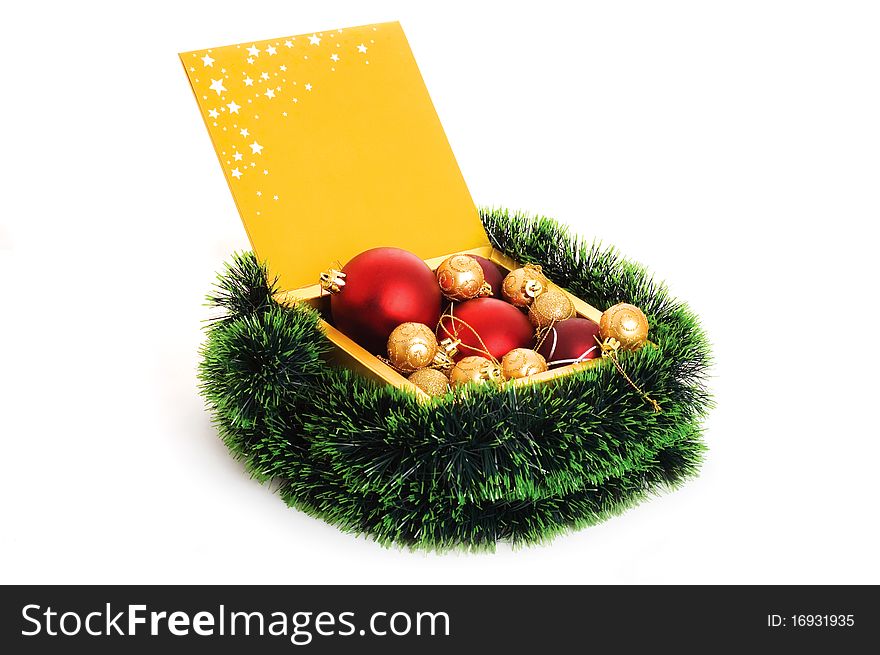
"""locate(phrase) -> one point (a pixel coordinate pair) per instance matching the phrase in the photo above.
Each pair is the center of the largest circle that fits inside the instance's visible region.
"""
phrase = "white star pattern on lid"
(283, 81)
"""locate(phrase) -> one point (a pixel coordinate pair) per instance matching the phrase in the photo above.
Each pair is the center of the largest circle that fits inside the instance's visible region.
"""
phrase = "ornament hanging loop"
(541, 334)
(610, 348)
(485, 350)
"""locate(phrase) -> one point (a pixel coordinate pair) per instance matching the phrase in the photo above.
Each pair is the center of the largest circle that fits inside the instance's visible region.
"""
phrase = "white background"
(734, 147)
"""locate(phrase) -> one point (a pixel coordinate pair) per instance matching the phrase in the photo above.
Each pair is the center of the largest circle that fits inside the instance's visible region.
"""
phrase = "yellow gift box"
(331, 146)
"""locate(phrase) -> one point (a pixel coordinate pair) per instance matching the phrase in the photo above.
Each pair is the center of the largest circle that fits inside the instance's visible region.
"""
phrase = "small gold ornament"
(521, 363)
(474, 369)
(551, 307)
(412, 346)
(626, 324)
(332, 280)
(523, 285)
(431, 381)
(461, 278)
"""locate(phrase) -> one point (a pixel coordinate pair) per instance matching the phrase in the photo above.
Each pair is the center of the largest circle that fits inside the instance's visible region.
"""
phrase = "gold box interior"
(351, 355)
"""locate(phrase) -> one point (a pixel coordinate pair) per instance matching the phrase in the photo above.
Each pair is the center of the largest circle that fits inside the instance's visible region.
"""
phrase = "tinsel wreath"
(516, 464)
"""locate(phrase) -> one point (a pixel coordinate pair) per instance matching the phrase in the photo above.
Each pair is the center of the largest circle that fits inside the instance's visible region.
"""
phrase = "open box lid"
(330, 145)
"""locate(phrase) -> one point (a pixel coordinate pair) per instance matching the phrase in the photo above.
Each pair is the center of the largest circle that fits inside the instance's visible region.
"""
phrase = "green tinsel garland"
(519, 464)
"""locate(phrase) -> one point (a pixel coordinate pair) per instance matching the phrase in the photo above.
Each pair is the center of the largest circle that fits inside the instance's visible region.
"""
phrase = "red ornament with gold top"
(485, 326)
(380, 289)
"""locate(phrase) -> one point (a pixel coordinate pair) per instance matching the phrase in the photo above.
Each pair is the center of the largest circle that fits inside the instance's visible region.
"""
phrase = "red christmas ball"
(383, 288)
(492, 273)
(570, 341)
(485, 324)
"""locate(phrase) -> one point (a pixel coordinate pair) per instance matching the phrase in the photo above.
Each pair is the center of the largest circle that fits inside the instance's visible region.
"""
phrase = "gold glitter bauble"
(461, 278)
(551, 307)
(521, 363)
(474, 369)
(627, 324)
(431, 381)
(411, 346)
(523, 285)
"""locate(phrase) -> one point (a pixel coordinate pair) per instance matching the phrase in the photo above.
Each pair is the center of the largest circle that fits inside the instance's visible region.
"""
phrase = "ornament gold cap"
(332, 280)
(447, 349)
(609, 346)
(492, 372)
(533, 288)
(522, 285)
